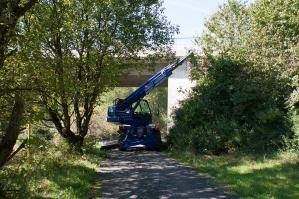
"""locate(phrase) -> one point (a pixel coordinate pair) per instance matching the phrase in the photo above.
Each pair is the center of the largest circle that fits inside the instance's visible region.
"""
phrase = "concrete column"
(179, 85)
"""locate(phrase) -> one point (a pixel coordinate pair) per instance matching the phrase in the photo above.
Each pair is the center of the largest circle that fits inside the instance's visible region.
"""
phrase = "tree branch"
(17, 150)
(12, 132)
(20, 11)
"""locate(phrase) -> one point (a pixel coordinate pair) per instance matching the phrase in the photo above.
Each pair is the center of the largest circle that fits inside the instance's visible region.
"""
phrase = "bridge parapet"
(136, 76)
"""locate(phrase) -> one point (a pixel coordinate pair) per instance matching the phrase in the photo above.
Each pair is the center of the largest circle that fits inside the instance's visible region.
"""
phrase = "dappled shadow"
(277, 181)
(52, 175)
(144, 174)
(253, 178)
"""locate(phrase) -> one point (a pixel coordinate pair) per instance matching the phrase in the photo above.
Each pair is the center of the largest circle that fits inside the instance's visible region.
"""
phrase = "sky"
(190, 15)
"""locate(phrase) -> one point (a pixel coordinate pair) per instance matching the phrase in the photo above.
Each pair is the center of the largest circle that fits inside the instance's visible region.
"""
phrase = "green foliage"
(264, 33)
(74, 50)
(247, 82)
(293, 101)
(11, 99)
(234, 108)
(227, 31)
(250, 176)
(274, 33)
(60, 58)
(293, 144)
(47, 169)
(158, 104)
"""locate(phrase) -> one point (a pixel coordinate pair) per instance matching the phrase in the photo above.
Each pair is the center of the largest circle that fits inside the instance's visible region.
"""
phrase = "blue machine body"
(136, 127)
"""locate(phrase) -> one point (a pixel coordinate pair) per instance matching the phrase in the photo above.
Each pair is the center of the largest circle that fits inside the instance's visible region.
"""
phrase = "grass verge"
(47, 170)
(250, 176)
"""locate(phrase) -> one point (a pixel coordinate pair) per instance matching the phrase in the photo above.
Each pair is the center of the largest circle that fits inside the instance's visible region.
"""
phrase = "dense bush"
(247, 83)
(234, 107)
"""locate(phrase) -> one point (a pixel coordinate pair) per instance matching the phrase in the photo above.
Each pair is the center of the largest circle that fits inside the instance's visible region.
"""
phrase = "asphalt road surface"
(147, 174)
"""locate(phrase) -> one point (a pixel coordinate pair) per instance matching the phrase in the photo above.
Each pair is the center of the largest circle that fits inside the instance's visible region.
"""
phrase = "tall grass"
(250, 176)
(47, 169)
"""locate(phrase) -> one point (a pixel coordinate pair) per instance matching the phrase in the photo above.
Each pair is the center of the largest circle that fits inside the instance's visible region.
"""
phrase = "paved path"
(146, 174)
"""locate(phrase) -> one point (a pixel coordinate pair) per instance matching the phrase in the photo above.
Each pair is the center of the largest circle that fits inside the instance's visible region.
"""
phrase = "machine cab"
(142, 111)
(138, 114)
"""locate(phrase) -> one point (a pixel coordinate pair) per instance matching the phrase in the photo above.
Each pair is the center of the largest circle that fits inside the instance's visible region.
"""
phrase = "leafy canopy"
(75, 50)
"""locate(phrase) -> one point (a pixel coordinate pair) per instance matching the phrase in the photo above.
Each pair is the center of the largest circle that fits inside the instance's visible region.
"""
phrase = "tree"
(77, 48)
(274, 33)
(244, 90)
(264, 34)
(275, 40)
(10, 13)
(235, 107)
(226, 32)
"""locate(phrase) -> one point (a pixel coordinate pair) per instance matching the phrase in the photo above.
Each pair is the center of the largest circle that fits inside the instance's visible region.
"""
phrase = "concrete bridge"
(178, 83)
(135, 77)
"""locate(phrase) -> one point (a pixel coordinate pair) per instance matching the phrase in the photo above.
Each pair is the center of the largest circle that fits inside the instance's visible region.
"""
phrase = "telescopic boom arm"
(123, 110)
(134, 115)
(153, 82)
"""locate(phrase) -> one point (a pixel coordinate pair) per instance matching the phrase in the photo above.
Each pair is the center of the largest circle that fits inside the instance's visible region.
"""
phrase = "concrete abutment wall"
(179, 86)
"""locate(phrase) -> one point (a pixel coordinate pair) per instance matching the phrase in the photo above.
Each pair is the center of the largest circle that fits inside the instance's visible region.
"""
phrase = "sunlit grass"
(51, 171)
(250, 176)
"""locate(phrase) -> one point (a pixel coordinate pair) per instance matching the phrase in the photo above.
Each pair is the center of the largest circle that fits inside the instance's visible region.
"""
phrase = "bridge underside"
(135, 77)
(136, 81)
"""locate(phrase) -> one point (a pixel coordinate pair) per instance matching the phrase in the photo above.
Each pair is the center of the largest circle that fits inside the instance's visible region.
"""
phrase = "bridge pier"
(179, 84)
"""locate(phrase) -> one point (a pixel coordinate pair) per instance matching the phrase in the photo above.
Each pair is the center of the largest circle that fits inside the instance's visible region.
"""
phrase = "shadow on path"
(147, 174)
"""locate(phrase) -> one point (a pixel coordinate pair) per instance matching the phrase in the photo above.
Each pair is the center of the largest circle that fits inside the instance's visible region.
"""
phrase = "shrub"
(234, 107)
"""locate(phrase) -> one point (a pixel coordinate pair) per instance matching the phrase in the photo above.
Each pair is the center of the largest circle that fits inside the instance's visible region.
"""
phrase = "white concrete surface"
(179, 85)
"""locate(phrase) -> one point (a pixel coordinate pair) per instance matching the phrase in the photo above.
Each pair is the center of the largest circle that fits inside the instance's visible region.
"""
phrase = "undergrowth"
(263, 176)
(250, 176)
(47, 169)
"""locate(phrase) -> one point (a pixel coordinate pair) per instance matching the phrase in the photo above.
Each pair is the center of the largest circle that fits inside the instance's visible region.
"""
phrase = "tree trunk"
(10, 12)
(3, 44)
(76, 142)
(12, 132)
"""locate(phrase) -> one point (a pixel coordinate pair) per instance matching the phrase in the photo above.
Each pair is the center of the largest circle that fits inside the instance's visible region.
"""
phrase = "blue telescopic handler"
(133, 114)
